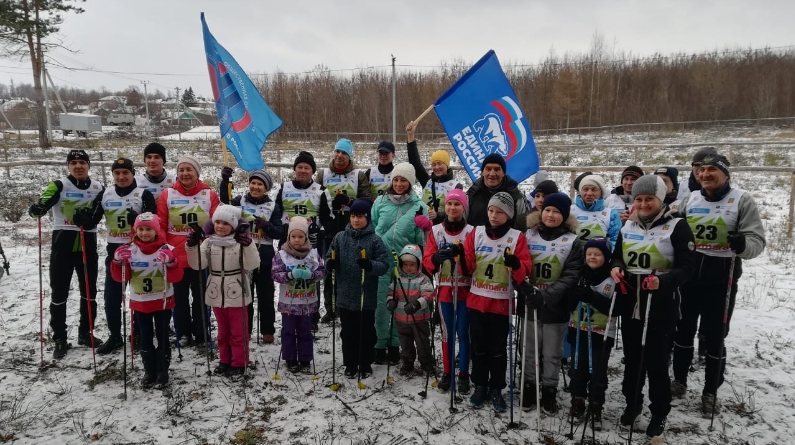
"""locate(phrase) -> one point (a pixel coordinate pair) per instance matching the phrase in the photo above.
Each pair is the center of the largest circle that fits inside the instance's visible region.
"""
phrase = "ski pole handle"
(508, 251)
(458, 249)
(363, 253)
(334, 254)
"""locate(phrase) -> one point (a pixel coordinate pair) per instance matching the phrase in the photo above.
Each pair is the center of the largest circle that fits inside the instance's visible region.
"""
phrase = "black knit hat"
(600, 243)
(361, 206)
(718, 161)
(123, 163)
(307, 158)
(702, 153)
(559, 201)
(77, 155)
(155, 149)
(578, 179)
(633, 170)
(493, 158)
(672, 173)
(547, 187)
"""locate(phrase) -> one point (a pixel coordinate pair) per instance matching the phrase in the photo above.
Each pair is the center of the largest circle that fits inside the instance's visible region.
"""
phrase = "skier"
(120, 205)
(228, 252)
(693, 184)
(538, 178)
(150, 267)
(439, 258)
(357, 300)
(400, 218)
(499, 248)
(670, 177)
(71, 218)
(593, 217)
(297, 268)
(493, 179)
(436, 185)
(653, 257)
(265, 219)
(155, 178)
(189, 201)
(380, 176)
(620, 198)
(556, 256)
(541, 191)
(728, 229)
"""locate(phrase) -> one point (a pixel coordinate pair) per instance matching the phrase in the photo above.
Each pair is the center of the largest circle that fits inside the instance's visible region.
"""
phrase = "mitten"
(123, 253)
(260, 223)
(391, 305)
(422, 221)
(512, 261)
(131, 215)
(226, 173)
(365, 264)
(442, 255)
(83, 217)
(412, 307)
(166, 256)
(37, 210)
(339, 201)
(242, 235)
(331, 264)
(195, 237)
(300, 273)
(736, 241)
(533, 299)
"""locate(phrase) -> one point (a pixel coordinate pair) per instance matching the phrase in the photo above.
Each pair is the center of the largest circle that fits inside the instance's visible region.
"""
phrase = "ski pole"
(132, 339)
(41, 303)
(512, 424)
(721, 358)
(244, 310)
(124, 319)
(195, 226)
(577, 321)
(88, 296)
(451, 336)
(334, 385)
(590, 347)
(524, 371)
(259, 244)
(359, 383)
(640, 363)
(538, 382)
(389, 378)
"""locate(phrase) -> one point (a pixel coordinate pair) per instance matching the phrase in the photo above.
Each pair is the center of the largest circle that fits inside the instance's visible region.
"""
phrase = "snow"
(62, 404)
(210, 132)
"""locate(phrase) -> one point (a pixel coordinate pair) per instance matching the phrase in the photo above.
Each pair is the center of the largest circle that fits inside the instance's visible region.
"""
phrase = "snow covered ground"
(67, 403)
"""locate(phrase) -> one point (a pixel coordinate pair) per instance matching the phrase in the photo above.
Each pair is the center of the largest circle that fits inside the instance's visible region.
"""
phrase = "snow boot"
(111, 345)
(59, 351)
(529, 398)
(380, 356)
(462, 384)
(708, 401)
(292, 366)
(268, 339)
(305, 367)
(596, 417)
(479, 396)
(678, 389)
(350, 373)
(222, 369)
(328, 317)
(656, 426)
(393, 355)
(85, 340)
(150, 368)
(163, 364)
(366, 371)
(549, 400)
(630, 415)
(498, 401)
(577, 409)
(444, 383)
(406, 368)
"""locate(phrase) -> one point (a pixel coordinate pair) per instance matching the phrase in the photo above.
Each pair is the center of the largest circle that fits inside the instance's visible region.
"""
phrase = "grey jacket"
(348, 244)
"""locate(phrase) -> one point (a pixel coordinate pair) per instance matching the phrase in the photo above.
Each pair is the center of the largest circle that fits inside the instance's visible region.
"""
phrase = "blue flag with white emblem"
(244, 117)
(481, 116)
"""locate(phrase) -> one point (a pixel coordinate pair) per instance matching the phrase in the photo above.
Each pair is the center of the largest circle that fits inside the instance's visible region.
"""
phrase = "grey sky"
(164, 36)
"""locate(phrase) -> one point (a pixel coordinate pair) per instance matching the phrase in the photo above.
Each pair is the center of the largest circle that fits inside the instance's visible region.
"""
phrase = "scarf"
(300, 252)
(223, 241)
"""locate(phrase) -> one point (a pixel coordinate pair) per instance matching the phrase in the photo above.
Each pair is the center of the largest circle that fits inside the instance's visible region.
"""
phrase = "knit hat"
(559, 201)
(441, 156)
(540, 177)
(405, 170)
(672, 173)
(411, 251)
(185, 159)
(384, 147)
(457, 195)
(263, 176)
(123, 163)
(719, 161)
(602, 244)
(147, 219)
(361, 206)
(307, 158)
(597, 181)
(579, 179)
(633, 171)
(547, 187)
(298, 224)
(702, 153)
(77, 155)
(504, 202)
(345, 146)
(227, 213)
(493, 158)
(650, 185)
(155, 149)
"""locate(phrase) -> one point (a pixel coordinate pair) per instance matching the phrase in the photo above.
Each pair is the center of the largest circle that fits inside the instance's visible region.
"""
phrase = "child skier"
(228, 253)
(557, 260)
(499, 248)
(595, 291)
(150, 267)
(357, 290)
(438, 258)
(297, 267)
(408, 299)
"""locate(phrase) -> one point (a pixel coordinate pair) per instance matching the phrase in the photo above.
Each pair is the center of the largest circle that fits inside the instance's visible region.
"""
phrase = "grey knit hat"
(504, 202)
(650, 185)
(263, 176)
(702, 153)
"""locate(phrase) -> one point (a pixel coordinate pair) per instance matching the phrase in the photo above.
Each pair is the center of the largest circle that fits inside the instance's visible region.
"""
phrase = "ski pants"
(587, 382)
(489, 333)
(705, 296)
(461, 330)
(112, 296)
(654, 364)
(262, 282)
(357, 332)
(232, 335)
(188, 311)
(415, 342)
(66, 257)
(382, 314)
(550, 344)
(153, 326)
(297, 337)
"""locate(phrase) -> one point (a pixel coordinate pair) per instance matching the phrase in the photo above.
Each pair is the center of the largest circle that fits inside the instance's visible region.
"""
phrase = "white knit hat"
(405, 170)
(227, 213)
(594, 180)
(650, 185)
(298, 224)
(185, 159)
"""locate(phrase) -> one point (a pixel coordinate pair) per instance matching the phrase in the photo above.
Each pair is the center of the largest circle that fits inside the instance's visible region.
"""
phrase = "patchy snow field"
(68, 403)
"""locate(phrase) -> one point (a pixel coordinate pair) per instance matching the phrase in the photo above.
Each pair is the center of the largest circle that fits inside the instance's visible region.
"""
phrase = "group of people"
(652, 254)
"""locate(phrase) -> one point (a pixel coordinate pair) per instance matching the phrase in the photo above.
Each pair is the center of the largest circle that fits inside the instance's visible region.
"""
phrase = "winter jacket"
(305, 301)
(666, 299)
(71, 238)
(394, 223)
(619, 201)
(614, 227)
(326, 219)
(340, 219)
(348, 245)
(556, 305)
(445, 293)
(222, 255)
(423, 176)
(174, 274)
(479, 196)
(412, 287)
(178, 241)
(276, 228)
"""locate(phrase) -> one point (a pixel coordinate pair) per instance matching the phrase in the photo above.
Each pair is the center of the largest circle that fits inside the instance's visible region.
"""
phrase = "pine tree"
(188, 97)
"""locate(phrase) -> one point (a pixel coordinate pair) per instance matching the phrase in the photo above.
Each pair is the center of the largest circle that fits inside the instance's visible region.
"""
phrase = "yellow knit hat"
(441, 156)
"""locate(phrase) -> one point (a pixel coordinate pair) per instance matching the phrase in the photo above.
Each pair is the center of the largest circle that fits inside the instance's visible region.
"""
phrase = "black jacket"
(479, 196)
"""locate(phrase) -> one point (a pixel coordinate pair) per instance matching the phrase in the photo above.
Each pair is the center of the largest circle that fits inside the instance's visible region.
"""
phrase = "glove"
(37, 210)
(736, 242)
(532, 299)
(242, 235)
(131, 215)
(365, 264)
(300, 273)
(339, 201)
(166, 256)
(512, 261)
(260, 223)
(226, 173)
(391, 305)
(585, 295)
(442, 255)
(331, 264)
(422, 221)
(412, 307)
(123, 253)
(83, 217)
(195, 237)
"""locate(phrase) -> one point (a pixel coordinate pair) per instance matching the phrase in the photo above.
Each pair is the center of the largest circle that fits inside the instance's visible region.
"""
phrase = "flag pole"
(226, 164)
(424, 113)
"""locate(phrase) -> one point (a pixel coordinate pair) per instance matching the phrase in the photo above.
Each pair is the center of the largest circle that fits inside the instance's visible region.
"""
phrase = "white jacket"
(225, 284)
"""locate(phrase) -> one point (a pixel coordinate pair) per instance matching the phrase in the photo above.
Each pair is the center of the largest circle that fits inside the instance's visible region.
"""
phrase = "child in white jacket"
(229, 254)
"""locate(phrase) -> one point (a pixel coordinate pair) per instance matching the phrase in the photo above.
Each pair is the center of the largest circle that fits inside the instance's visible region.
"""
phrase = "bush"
(14, 205)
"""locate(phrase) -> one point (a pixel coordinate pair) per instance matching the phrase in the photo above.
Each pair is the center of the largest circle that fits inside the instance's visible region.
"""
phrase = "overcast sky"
(141, 38)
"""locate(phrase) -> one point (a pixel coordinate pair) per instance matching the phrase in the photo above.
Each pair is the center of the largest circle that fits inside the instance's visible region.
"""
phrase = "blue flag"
(245, 119)
(481, 116)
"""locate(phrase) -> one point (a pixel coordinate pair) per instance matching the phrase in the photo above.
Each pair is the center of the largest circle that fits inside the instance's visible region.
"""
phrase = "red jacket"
(178, 241)
(174, 275)
(443, 293)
